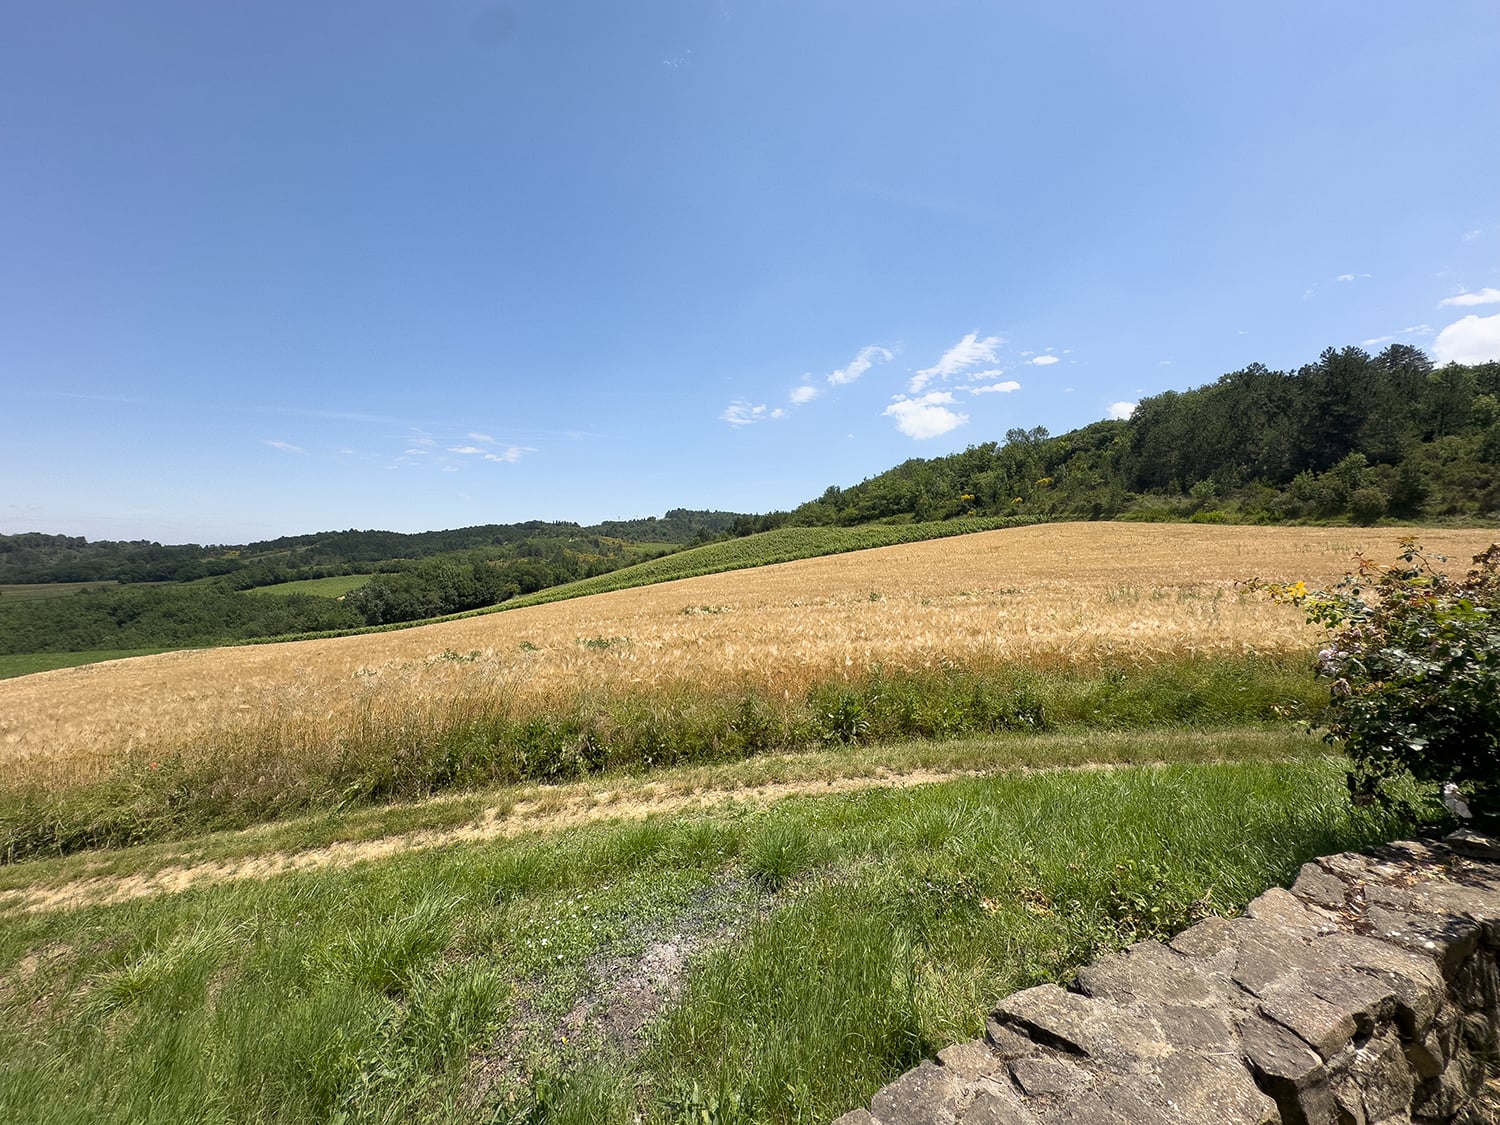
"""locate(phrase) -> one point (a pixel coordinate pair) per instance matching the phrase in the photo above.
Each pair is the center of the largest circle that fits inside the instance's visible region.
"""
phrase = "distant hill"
(1351, 437)
(37, 557)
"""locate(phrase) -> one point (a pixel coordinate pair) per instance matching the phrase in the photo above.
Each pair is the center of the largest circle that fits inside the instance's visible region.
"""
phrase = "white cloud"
(968, 352)
(996, 388)
(510, 455)
(741, 413)
(804, 394)
(1414, 330)
(416, 453)
(287, 447)
(925, 417)
(778, 413)
(1474, 339)
(1468, 300)
(465, 449)
(1043, 361)
(1122, 410)
(1350, 276)
(867, 358)
(483, 437)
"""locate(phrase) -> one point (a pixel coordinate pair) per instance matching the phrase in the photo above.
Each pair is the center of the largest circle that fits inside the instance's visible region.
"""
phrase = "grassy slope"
(333, 587)
(24, 664)
(833, 942)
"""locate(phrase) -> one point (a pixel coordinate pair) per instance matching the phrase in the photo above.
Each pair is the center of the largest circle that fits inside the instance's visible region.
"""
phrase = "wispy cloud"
(1404, 334)
(510, 455)
(1043, 360)
(1474, 339)
(1122, 410)
(741, 412)
(969, 352)
(466, 450)
(867, 358)
(804, 394)
(483, 437)
(1468, 300)
(925, 417)
(1002, 388)
(1351, 277)
(287, 447)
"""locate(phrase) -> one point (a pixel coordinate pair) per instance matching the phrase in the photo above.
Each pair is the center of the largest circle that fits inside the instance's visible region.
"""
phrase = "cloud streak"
(1469, 300)
(867, 358)
(287, 447)
(969, 352)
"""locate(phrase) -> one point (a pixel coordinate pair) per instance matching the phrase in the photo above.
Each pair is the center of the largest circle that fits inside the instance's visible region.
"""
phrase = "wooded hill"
(1350, 437)
(35, 557)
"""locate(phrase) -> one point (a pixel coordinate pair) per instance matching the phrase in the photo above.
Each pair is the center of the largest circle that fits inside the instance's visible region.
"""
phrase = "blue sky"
(278, 267)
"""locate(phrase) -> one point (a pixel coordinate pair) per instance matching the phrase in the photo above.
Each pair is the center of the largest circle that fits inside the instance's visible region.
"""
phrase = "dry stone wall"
(1368, 994)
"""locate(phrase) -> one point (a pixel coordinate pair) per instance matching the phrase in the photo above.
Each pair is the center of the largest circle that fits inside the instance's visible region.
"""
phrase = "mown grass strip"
(828, 944)
(335, 838)
(24, 664)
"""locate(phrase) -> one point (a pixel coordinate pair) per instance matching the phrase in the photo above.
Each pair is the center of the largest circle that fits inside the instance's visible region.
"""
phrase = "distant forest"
(1350, 438)
(35, 557)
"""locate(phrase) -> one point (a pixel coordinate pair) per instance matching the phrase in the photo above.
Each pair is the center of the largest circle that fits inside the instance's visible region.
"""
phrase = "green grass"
(335, 587)
(23, 664)
(30, 591)
(830, 943)
(992, 754)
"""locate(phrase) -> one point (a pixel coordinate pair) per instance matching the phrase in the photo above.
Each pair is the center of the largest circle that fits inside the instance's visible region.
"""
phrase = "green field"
(26, 663)
(816, 948)
(335, 587)
(30, 591)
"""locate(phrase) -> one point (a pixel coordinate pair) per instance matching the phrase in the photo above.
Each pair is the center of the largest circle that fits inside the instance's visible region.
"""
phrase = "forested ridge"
(38, 557)
(1350, 437)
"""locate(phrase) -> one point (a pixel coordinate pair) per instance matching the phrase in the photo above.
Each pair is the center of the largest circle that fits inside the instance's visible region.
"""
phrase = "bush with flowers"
(1414, 671)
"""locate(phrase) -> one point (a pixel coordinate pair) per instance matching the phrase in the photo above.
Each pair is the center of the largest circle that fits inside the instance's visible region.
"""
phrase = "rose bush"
(1414, 671)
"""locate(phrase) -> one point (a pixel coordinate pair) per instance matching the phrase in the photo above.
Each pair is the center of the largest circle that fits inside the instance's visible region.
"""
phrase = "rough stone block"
(972, 1060)
(1447, 940)
(856, 1117)
(1476, 845)
(1282, 909)
(1122, 1040)
(1317, 886)
(1151, 973)
(1006, 1041)
(1384, 1077)
(928, 1095)
(997, 1108)
(1048, 1076)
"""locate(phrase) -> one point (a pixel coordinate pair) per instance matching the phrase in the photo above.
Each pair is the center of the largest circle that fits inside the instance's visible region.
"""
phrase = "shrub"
(1414, 666)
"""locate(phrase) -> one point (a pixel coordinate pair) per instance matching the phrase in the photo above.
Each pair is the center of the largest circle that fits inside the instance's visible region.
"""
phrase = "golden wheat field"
(1060, 593)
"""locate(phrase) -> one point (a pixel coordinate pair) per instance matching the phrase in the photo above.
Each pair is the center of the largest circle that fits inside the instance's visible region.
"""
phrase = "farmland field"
(333, 587)
(1044, 596)
(28, 591)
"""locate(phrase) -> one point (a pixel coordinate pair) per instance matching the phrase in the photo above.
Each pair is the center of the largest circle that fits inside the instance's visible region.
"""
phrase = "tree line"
(1349, 437)
(39, 557)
